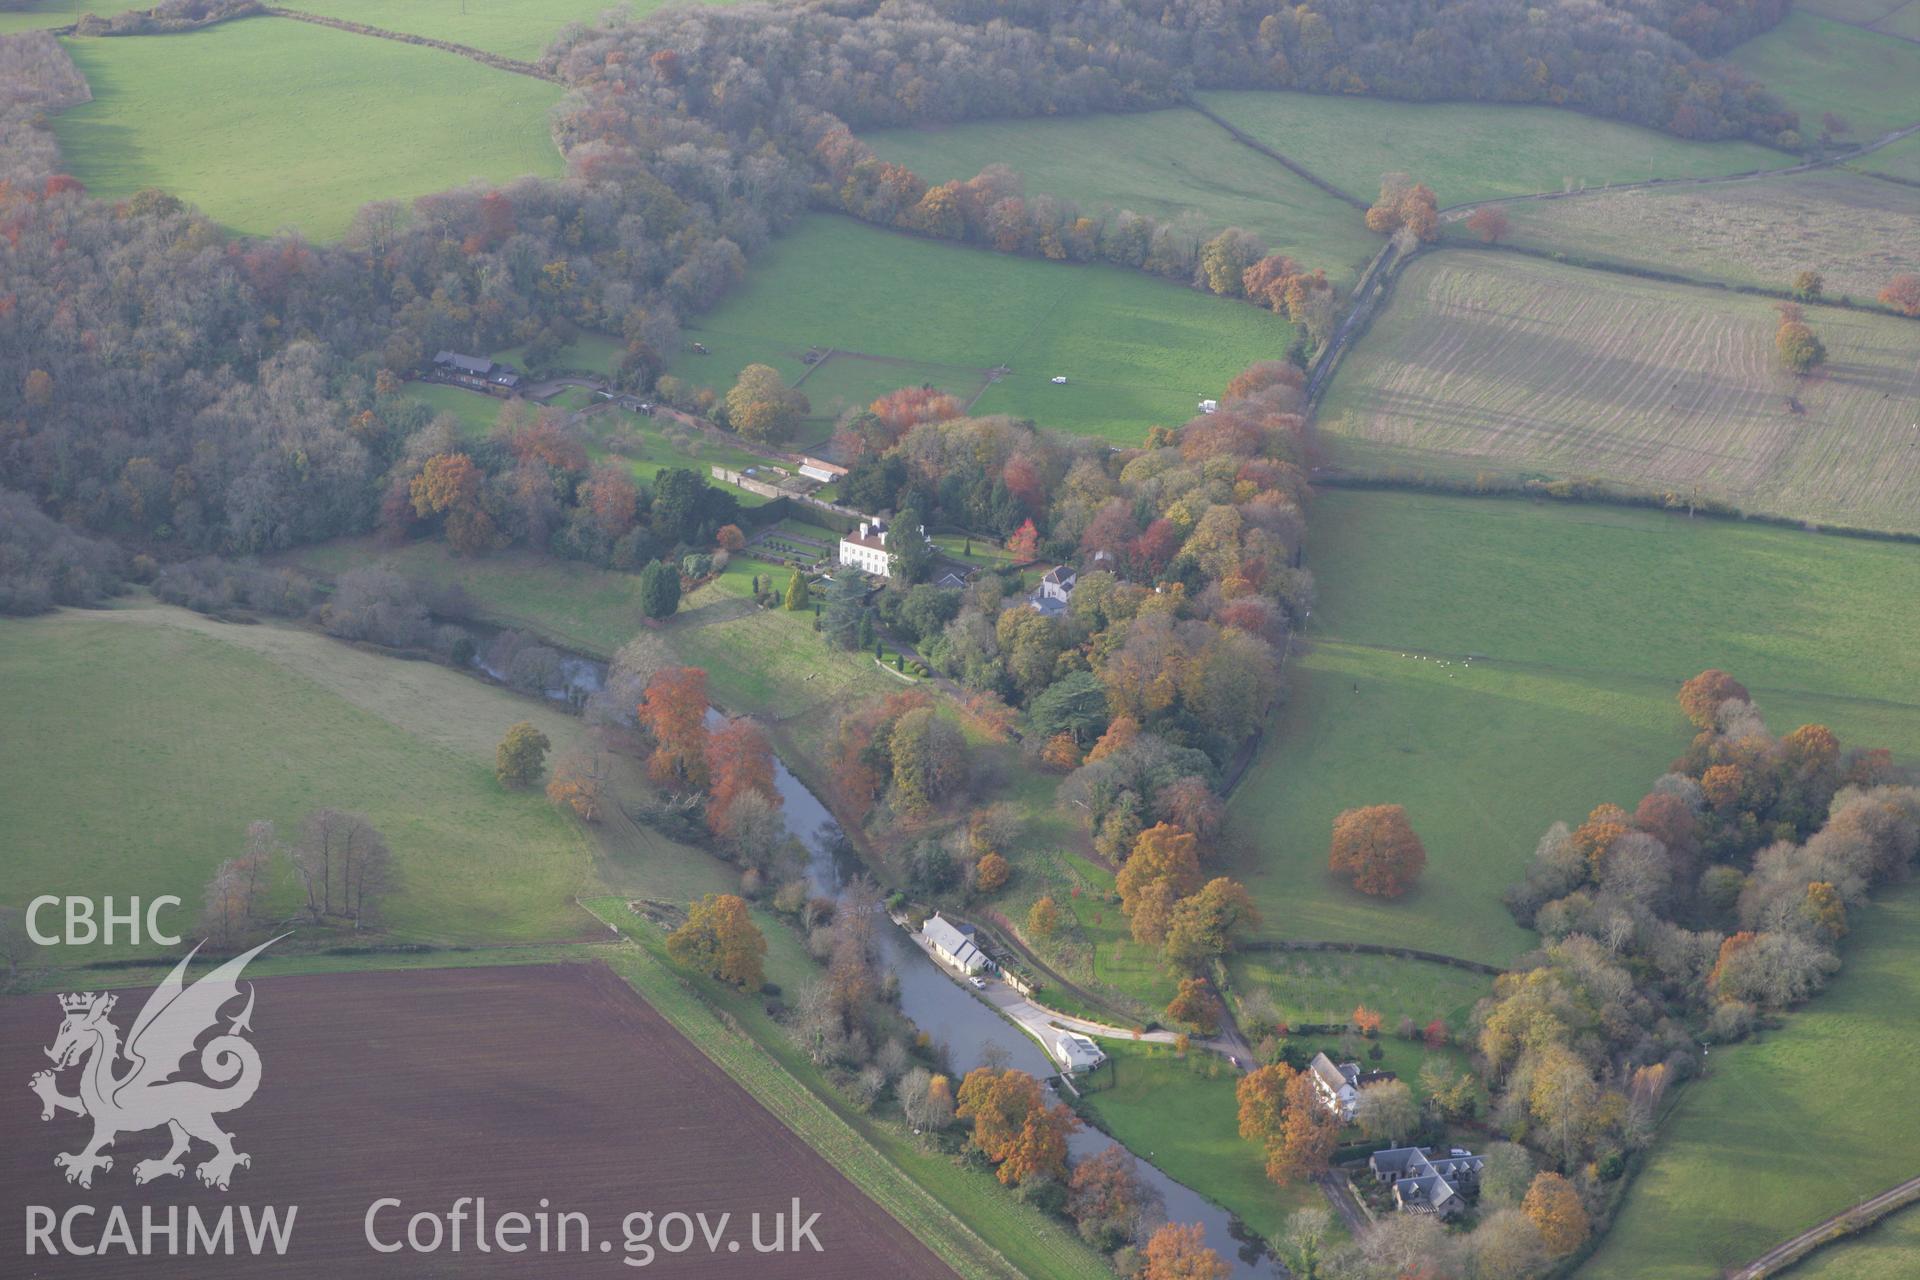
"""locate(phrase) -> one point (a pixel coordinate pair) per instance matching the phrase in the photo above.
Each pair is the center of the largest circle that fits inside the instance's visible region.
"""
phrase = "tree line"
(801, 72)
(162, 382)
(1717, 901)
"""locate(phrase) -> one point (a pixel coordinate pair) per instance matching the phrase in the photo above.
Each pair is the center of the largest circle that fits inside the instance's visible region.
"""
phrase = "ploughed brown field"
(512, 1083)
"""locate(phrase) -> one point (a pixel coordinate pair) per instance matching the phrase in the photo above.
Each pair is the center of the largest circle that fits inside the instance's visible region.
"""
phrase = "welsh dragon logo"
(145, 1095)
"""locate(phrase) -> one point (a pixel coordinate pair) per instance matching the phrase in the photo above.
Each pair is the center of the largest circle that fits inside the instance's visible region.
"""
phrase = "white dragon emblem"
(145, 1095)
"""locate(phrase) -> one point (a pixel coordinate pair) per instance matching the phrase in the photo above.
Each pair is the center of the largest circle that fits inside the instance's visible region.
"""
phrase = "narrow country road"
(1340, 1195)
(1859, 1215)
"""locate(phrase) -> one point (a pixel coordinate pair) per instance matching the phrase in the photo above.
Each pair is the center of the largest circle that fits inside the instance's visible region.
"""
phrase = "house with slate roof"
(1426, 1182)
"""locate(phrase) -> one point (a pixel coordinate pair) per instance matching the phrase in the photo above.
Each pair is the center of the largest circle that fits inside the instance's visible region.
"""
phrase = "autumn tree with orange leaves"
(739, 761)
(1407, 204)
(1163, 868)
(579, 779)
(1262, 1094)
(449, 486)
(1013, 1126)
(1489, 222)
(1308, 1135)
(1903, 294)
(674, 711)
(1178, 1251)
(1555, 1208)
(1377, 849)
(1195, 1006)
(1701, 696)
(721, 939)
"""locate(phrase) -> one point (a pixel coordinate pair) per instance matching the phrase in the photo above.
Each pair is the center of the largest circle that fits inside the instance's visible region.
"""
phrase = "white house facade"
(866, 550)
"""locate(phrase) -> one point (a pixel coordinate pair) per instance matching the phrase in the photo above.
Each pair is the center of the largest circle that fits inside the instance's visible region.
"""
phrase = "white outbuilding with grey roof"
(955, 946)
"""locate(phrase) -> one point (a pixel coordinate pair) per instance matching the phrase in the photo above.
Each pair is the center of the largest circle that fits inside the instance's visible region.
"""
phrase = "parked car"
(980, 984)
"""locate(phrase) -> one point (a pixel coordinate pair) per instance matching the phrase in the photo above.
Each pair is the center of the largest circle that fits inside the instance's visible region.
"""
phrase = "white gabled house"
(1337, 1085)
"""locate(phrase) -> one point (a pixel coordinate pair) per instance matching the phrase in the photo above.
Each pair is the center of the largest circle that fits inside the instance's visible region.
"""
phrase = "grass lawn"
(377, 120)
(1885, 1251)
(960, 1212)
(597, 352)
(1900, 159)
(200, 727)
(1167, 164)
(1116, 961)
(1763, 1147)
(516, 28)
(1491, 362)
(1324, 986)
(1817, 66)
(1584, 621)
(1856, 230)
(1136, 351)
(475, 410)
(1181, 1113)
(1471, 151)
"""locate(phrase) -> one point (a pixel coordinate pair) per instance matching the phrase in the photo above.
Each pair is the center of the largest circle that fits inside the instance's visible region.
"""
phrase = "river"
(950, 1014)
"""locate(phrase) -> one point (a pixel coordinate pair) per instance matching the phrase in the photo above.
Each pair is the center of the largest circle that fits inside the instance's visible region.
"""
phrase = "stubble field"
(1857, 231)
(1516, 367)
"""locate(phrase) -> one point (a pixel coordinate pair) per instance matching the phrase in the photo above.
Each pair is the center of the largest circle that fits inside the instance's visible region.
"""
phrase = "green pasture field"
(845, 382)
(1904, 21)
(1471, 151)
(1325, 986)
(1167, 164)
(1764, 1147)
(1817, 66)
(377, 120)
(1857, 231)
(957, 1209)
(1581, 622)
(597, 352)
(1136, 351)
(1884, 1251)
(1181, 1114)
(1897, 159)
(142, 740)
(515, 28)
(1498, 363)
(1859, 13)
